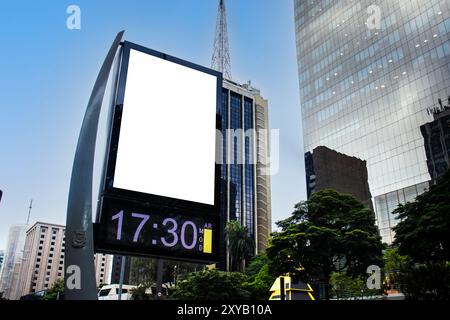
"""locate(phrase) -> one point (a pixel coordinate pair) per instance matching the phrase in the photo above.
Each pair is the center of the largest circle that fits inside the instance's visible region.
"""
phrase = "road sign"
(160, 193)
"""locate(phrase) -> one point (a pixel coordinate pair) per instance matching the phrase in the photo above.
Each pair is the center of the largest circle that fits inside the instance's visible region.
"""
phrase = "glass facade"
(236, 177)
(238, 168)
(436, 137)
(223, 114)
(245, 183)
(249, 167)
(385, 205)
(364, 91)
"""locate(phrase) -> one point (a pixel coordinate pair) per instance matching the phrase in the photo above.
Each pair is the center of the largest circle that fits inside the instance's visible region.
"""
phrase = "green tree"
(331, 232)
(259, 285)
(212, 285)
(143, 271)
(423, 232)
(240, 245)
(259, 279)
(425, 281)
(256, 264)
(346, 287)
(56, 291)
(394, 263)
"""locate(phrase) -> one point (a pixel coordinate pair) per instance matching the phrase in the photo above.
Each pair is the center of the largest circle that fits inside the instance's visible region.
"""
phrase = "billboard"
(160, 190)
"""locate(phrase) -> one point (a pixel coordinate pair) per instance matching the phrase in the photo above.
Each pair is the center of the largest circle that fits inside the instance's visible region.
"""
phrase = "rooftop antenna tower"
(29, 211)
(221, 57)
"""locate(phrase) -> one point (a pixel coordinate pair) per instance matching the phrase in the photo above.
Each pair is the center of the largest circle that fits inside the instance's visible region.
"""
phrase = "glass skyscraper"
(245, 189)
(365, 87)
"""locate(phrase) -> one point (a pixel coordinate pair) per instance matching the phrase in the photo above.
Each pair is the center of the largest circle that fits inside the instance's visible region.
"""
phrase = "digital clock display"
(148, 231)
(160, 190)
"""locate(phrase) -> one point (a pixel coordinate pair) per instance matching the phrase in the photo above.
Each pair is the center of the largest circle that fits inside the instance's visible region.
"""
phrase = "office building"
(245, 176)
(43, 259)
(436, 135)
(102, 268)
(368, 70)
(245, 172)
(9, 277)
(116, 269)
(2, 256)
(328, 169)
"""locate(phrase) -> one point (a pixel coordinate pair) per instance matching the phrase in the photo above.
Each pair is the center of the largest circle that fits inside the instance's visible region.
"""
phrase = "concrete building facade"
(9, 275)
(43, 259)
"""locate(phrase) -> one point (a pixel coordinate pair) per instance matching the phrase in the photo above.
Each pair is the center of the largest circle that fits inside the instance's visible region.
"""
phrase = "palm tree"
(240, 245)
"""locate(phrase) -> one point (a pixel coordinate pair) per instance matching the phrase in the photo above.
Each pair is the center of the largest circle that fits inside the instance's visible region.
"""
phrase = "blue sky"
(48, 71)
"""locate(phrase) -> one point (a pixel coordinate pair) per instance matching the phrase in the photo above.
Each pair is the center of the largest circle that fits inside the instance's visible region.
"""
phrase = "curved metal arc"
(79, 228)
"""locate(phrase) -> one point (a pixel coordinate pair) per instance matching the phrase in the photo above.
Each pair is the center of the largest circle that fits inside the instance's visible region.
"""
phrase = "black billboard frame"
(151, 201)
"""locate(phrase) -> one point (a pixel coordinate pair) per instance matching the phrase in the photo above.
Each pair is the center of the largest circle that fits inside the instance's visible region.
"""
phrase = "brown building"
(328, 169)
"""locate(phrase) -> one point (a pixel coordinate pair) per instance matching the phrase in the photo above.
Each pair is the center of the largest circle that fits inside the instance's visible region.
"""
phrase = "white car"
(111, 292)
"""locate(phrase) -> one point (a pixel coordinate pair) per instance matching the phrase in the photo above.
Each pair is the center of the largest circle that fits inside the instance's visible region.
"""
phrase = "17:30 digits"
(172, 230)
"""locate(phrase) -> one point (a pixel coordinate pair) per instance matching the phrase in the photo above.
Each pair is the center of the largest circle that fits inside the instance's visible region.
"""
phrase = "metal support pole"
(159, 277)
(282, 289)
(122, 272)
(79, 275)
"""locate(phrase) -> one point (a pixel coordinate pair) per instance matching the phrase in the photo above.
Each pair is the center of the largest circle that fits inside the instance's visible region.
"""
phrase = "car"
(111, 292)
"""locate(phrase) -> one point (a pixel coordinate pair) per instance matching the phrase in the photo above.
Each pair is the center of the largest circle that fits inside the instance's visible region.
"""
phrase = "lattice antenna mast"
(221, 57)
(29, 211)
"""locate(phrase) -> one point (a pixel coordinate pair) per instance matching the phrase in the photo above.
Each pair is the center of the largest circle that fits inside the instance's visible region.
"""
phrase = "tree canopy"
(331, 232)
(423, 232)
(212, 285)
(56, 291)
(240, 245)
